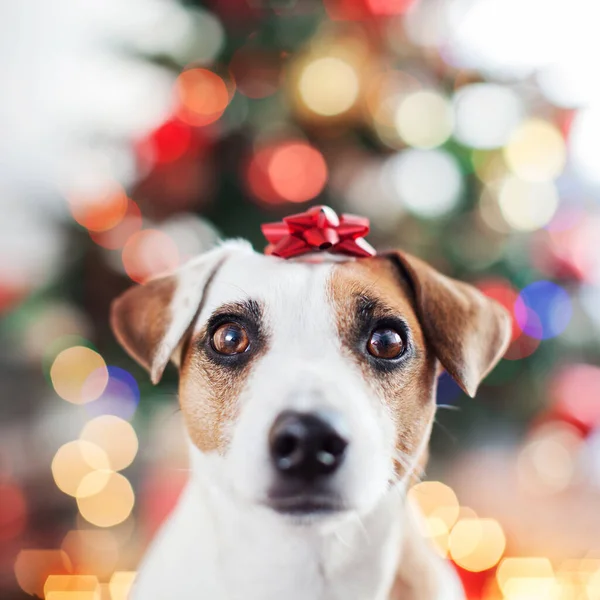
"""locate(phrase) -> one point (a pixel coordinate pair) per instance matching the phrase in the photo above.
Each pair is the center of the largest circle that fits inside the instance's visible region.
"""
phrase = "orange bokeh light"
(149, 253)
(203, 96)
(99, 211)
(33, 567)
(292, 171)
(115, 238)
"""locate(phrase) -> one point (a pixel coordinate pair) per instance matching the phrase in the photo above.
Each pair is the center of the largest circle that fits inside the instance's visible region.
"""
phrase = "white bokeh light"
(583, 144)
(486, 114)
(428, 182)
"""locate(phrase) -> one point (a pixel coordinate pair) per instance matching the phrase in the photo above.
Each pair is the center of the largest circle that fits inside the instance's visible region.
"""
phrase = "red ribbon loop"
(316, 230)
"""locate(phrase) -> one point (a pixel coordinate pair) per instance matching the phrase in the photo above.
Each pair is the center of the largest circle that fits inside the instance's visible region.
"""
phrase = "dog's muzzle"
(306, 451)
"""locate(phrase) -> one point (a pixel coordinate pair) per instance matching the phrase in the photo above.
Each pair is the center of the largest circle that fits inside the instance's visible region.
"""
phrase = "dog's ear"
(150, 320)
(468, 331)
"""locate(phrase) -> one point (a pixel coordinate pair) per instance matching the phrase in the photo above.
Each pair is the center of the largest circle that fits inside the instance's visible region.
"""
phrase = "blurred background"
(135, 133)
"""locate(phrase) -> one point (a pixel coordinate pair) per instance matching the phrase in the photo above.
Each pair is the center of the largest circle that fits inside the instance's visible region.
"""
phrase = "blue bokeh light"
(543, 310)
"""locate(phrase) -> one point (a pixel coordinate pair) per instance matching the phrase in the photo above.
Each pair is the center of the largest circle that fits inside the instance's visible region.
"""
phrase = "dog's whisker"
(450, 407)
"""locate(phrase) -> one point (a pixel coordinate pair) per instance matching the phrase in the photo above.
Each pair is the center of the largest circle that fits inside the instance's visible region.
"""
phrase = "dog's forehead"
(275, 283)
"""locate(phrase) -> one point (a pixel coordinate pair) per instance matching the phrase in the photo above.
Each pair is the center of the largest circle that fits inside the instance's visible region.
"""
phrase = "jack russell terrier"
(308, 390)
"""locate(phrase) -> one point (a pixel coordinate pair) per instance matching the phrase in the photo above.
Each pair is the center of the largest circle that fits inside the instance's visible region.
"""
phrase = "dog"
(308, 390)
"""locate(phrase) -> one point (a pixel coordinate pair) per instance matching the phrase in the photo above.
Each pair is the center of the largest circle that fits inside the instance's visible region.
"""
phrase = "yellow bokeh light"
(536, 151)
(73, 461)
(72, 587)
(115, 436)
(92, 551)
(436, 500)
(593, 585)
(111, 505)
(329, 86)
(525, 205)
(120, 584)
(527, 577)
(477, 544)
(424, 119)
(79, 375)
(438, 532)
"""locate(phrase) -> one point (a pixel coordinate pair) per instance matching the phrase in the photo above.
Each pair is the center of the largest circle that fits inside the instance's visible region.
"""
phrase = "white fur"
(222, 542)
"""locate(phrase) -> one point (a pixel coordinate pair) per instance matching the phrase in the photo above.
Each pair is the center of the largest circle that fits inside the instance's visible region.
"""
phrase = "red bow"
(318, 229)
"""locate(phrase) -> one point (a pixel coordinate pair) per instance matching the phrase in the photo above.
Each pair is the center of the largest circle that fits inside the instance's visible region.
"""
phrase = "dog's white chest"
(226, 555)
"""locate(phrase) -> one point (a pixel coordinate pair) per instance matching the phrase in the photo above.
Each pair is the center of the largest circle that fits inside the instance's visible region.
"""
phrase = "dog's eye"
(230, 338)
(385, 343)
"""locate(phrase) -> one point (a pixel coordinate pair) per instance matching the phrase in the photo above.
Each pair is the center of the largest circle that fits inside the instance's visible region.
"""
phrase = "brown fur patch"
(209, 391)
(408, 391)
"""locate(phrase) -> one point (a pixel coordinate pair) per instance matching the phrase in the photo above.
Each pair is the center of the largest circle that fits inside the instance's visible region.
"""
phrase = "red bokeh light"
(148, 254)
(522, 347)
(13, 515)
(503, 292)
(203, 97)
(115, 238)
(292, 171)
(356, 10)
(574, 390)
(167, 143)
(100, 211)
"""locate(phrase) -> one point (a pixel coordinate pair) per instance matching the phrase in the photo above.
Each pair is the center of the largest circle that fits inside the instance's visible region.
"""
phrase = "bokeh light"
(115, 436)
(583, 143)
(574, 390)
(34, 566)
(65, 587)
(13, 516)
(120, 397)
(526, 205)
(99, 211)
(329, 86)
(111, 505)
(291, 171)
(427, 182)
(546, 463)
(536, 151)
(424, 119)
(116, 237)
(73, 461)
(436, 500)
(149, 253)
(120, 584)
(79, 375)
(543, 310)
(486, 114)
(477, 544)
(525, 577)
(92, 551)
(203, 96)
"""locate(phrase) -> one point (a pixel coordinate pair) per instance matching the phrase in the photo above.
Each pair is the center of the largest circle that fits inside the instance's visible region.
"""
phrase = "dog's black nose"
(306, 445)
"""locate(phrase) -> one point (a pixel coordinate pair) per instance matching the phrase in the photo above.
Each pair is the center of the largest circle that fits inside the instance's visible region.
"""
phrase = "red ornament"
(316, 230)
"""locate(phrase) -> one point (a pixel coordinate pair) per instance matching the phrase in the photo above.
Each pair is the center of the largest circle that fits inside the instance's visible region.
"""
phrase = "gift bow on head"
(319, 229)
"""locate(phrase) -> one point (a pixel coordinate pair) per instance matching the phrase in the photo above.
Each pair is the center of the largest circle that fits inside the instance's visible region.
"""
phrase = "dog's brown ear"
(150, 320)
(468, 331)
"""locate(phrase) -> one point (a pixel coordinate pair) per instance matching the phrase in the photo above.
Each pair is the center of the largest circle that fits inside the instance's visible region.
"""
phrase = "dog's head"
(312, 384)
